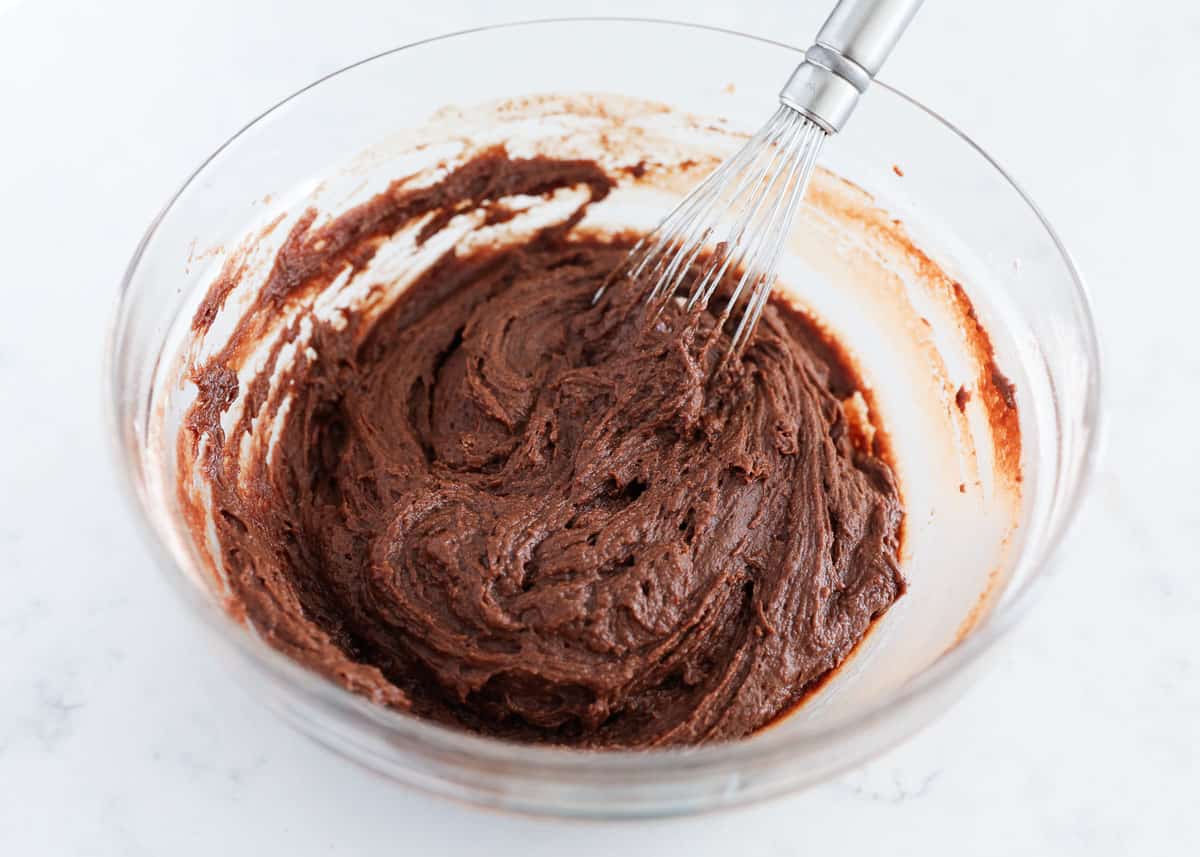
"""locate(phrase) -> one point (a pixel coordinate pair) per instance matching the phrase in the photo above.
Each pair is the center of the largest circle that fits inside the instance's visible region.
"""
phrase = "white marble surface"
(119, 735)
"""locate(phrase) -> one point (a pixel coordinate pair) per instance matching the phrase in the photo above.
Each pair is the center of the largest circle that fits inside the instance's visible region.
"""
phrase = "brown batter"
(503, 508)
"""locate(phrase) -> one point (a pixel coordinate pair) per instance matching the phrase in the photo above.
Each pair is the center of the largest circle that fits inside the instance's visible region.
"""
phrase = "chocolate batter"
(500, 507)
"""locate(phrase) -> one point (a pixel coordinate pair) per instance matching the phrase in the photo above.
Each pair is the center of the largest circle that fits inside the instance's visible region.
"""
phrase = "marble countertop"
(120, 735)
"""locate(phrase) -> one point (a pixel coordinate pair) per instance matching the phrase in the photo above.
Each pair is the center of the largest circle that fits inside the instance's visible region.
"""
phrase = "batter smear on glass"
(500, 507)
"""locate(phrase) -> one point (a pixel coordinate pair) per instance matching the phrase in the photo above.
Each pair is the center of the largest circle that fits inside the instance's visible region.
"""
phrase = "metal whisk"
(737, 219)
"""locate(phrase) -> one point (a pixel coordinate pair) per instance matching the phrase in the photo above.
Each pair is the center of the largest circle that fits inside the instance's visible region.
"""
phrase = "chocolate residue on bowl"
(500, 507)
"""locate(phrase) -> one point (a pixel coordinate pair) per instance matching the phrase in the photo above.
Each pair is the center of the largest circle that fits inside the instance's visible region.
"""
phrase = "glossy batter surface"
(503, 508)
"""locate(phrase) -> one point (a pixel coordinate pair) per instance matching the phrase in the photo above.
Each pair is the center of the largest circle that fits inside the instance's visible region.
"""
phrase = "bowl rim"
(769, 746)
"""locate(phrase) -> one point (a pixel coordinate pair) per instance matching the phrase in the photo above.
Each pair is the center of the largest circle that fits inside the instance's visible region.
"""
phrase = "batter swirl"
(503, 508)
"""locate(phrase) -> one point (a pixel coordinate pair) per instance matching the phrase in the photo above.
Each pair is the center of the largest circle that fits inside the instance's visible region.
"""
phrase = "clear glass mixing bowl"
(1018, 262)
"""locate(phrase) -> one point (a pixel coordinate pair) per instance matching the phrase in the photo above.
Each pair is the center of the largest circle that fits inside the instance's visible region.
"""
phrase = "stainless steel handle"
(865, 31)
(850, 48)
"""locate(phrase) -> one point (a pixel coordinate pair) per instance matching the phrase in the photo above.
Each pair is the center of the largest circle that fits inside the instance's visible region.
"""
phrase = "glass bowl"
(949, 193)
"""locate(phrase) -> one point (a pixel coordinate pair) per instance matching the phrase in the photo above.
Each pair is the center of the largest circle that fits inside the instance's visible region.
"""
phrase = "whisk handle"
(850, 49)
(865, 31)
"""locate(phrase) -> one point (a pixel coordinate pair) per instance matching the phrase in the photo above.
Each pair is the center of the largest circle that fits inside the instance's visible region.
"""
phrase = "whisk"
(737, 219)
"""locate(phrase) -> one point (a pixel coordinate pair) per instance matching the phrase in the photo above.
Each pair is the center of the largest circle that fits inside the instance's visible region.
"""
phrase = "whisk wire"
(695, 226)
(714, 274)
(772, 244)
(734, 223)
(761, 232)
